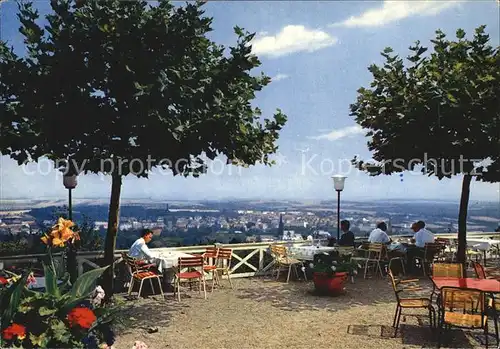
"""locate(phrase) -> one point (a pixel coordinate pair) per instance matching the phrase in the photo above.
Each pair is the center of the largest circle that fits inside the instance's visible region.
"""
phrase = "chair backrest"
(479, 269)
(460, 300)
(211, 252)
(278, 251)
(224, 257)
(190, 262)
(376, 251)
(132, 263)
(225, 253)
(447, 270)
(393, 282)
(432, 249)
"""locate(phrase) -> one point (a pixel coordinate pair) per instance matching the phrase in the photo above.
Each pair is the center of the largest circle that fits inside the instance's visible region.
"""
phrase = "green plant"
(447, 103)
(173, 99)
(332, 263)
(59, 317)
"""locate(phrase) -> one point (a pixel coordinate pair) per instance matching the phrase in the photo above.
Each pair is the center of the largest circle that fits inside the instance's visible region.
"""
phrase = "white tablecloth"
(307, 253)
(168, 260)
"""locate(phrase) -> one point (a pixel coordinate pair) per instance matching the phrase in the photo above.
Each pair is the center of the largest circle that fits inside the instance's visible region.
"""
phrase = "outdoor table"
(306, 253)
(483, 245)
(484, 285)
(166, 262)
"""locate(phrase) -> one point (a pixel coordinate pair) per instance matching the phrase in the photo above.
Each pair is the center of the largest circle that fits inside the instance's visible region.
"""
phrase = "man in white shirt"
(139, 248)
(379, 234)
(422, 236)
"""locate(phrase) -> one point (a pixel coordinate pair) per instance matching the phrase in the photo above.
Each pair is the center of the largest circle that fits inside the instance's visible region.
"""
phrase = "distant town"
(190, 223)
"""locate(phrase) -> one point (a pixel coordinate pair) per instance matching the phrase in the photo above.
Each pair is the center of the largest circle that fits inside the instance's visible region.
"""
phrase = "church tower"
(281, 226)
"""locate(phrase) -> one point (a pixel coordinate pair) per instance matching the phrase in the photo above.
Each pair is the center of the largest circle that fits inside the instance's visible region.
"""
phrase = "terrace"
(264, 313)
(261, 312)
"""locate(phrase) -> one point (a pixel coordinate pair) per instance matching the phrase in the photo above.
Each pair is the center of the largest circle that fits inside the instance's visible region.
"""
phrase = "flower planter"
(325, 283)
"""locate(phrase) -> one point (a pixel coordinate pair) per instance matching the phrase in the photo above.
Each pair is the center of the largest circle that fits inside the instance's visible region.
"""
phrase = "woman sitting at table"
(139, 248)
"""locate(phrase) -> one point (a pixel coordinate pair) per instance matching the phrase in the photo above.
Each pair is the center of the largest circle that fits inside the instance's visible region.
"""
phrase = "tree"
(121, 87)
(440, 113)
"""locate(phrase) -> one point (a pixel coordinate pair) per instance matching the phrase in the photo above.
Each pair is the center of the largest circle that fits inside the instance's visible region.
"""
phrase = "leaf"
(40, 341)
(51, 281)
(85, 283)
(45, 311)
(14, 299)
(60, 331)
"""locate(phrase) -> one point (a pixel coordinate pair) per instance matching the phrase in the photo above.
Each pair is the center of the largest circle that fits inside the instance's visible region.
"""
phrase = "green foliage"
(90, 240)
(444, 104)
(332, 263)
(44, 315)
(146, 84)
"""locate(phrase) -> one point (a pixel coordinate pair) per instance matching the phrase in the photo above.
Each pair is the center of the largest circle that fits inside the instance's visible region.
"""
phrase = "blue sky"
(317, 54)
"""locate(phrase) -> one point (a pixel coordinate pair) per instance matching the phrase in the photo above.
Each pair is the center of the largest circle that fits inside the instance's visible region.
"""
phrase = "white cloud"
(335, 135)
(279, 77)
(392, 11)
(291, 39)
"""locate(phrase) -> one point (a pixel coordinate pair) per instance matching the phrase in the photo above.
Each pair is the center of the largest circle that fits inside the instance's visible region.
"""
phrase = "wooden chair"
(195, 267)
(453, 270)
(224, 256)
(462, 308)
(140, 271)
(407, 286)
(431, 250)
(493, 304)
(210, 263)
(376, 254)
(281, 259)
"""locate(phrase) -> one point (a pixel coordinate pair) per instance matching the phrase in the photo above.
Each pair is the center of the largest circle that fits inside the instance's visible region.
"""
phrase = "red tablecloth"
(485, 285)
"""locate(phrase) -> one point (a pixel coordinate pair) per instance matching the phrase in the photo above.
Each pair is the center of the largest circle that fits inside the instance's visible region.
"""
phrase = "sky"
(317, 54)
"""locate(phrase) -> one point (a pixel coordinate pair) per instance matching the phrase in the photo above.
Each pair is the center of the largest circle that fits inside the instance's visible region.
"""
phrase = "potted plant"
(331, 271)
(61, 316)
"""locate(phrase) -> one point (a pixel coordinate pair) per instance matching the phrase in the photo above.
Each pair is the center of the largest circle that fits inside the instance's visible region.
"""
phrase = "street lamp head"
(70, 182)
(338, 182)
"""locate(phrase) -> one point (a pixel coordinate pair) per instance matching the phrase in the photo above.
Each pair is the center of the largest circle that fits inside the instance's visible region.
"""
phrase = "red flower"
(83, 317)
(14, 330)
(3, 281)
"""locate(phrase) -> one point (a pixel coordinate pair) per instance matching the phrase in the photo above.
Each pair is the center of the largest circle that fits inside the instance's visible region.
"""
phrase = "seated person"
(347, 238)
(379, 234)
(139, 248)
(422, 236)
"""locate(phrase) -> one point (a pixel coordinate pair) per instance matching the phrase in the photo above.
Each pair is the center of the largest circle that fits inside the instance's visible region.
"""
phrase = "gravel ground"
(262, 313)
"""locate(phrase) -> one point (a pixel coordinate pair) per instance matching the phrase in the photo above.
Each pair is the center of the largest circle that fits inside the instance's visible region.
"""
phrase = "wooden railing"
(248, 259)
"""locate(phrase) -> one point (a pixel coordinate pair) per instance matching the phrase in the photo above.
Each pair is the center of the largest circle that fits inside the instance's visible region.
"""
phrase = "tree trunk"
(110, 243)
(462, 222)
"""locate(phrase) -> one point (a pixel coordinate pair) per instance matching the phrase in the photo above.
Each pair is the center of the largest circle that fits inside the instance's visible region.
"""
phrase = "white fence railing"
(252, 256)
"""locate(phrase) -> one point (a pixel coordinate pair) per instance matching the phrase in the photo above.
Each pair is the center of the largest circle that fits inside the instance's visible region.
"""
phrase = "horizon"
(317, 55)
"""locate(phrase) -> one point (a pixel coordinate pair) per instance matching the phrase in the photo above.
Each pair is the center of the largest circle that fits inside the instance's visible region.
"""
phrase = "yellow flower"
(45, 239)
(66, 234)
(57, 242)
(63, 224)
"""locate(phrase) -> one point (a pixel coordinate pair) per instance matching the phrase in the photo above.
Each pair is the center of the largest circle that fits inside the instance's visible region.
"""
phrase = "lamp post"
(338, 184)
(70, 183)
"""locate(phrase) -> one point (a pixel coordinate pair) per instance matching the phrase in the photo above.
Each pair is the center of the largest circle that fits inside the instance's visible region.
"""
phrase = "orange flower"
(63, 224)
(13, 331)
(45, 239)
(61, 233)
(57, 242)
(66, 234)
(83, 317)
